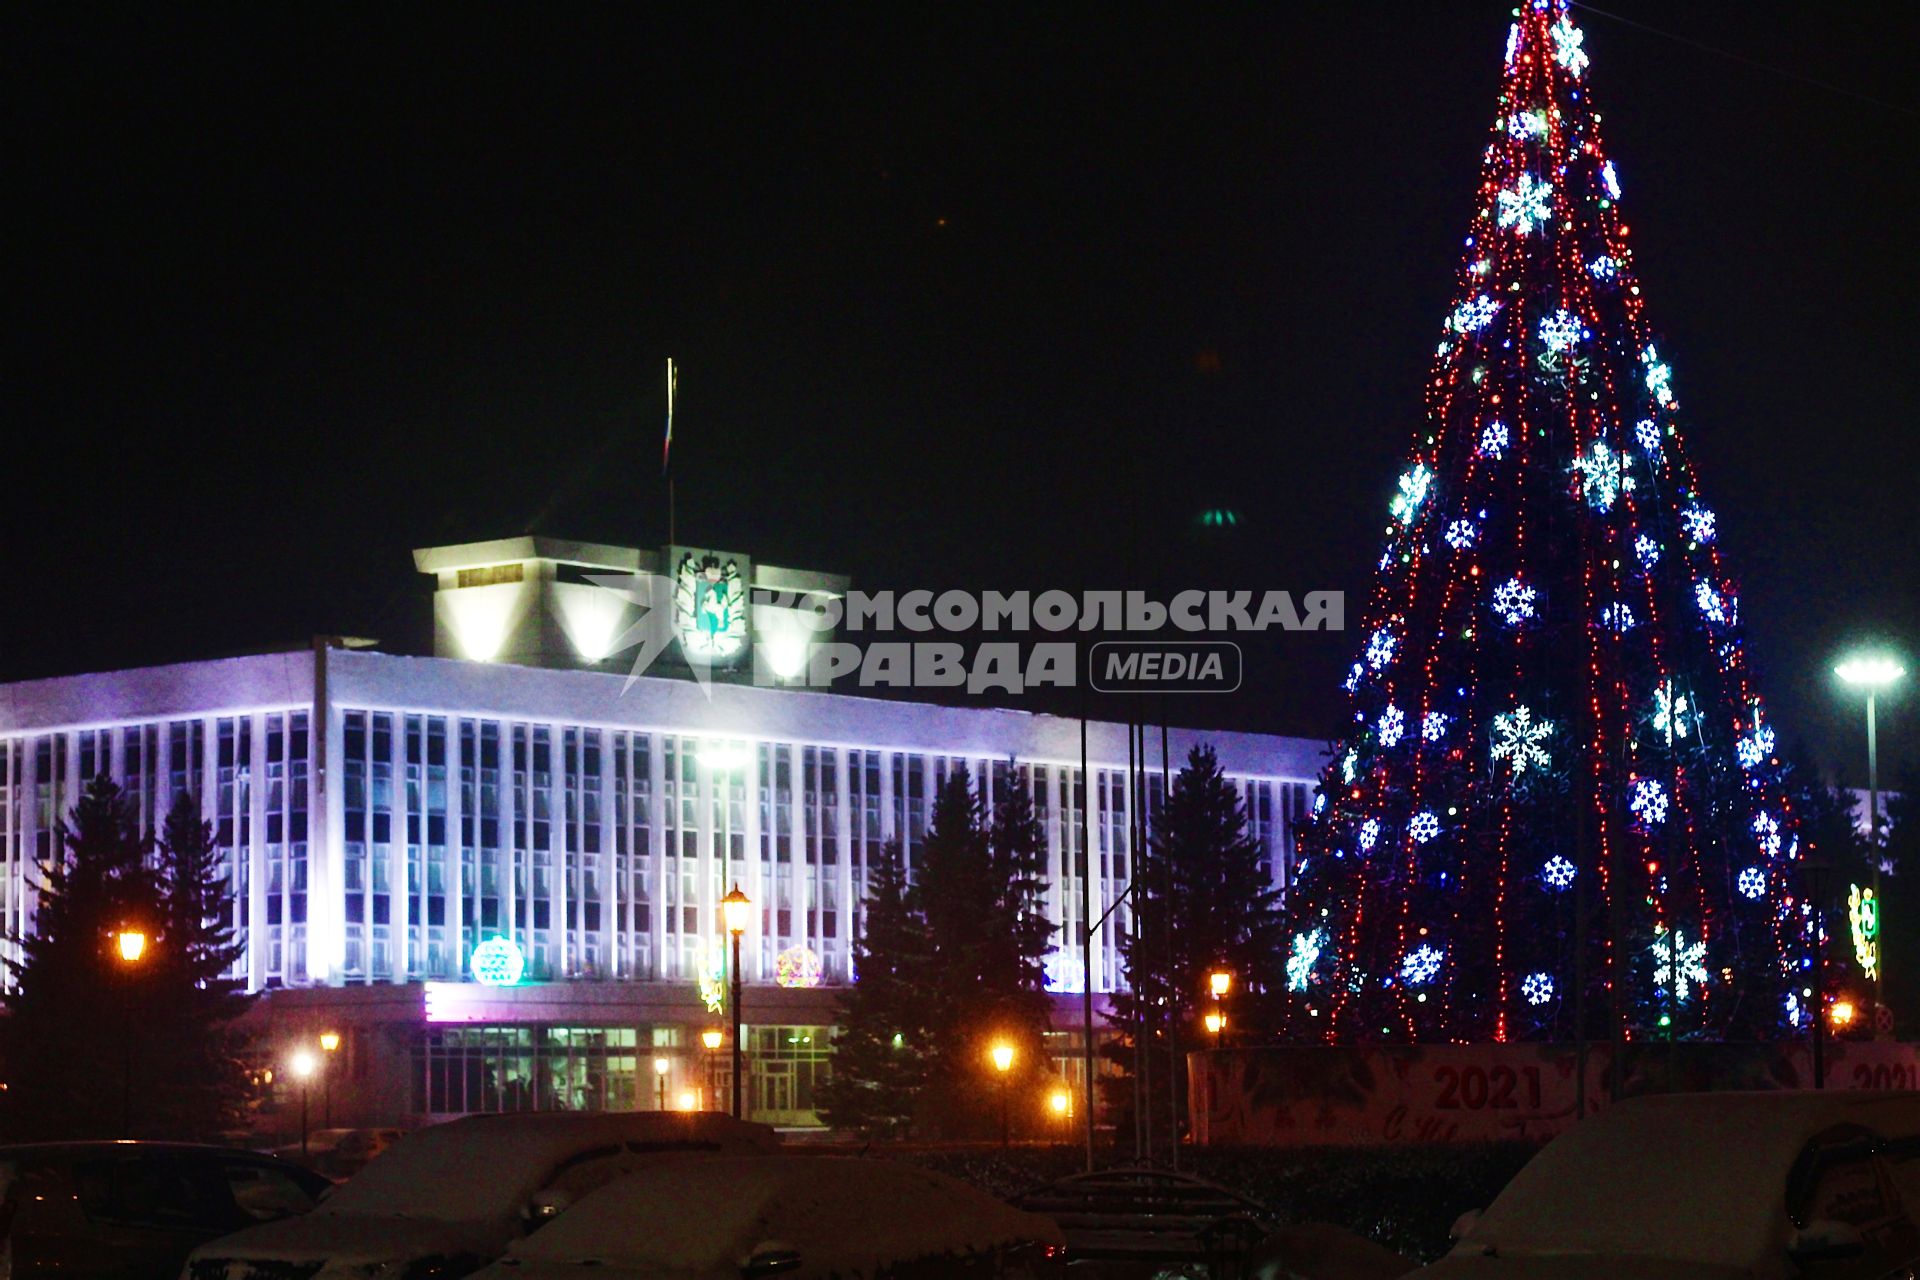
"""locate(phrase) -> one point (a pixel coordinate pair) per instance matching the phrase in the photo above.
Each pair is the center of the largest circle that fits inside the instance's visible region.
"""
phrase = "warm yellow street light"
(303, 1064)
(1002, 1055)
(1003, 1058)
(1841, 1014)
(330, 1041)
(133, 945)
(660, 1068)
(1219, 982)
(712, 1037)
(1216, 1023)
(689, 1101)
(737, 910)
(1872, 672)
(1060, 1101)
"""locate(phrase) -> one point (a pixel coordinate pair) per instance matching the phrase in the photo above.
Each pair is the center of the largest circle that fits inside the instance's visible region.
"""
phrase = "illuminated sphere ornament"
(797, 967)
(498, 962)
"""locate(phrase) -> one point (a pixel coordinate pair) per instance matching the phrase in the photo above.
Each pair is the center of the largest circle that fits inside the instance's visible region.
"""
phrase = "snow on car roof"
(1694, 1177)
(839, 1214)
(487, 1166)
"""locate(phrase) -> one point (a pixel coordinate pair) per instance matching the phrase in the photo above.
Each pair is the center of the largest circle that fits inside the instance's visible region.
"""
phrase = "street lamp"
(712, 1038)
(330, 1043)
(1873, 673)
(660, 1068)
(1003, 1063)
(131, 945)
(737, 909)
(1219, 982)
(1060, 1102)
(303, 1064)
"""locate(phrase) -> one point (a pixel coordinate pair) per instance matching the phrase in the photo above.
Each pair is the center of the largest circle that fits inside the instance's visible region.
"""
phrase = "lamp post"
(1873, 674)
(660, 1068)
(1219, 982)
(131, 945)
(304, 1064)
(1003, 1063)
(737, 909)
(330, 1044)
(711, 1038)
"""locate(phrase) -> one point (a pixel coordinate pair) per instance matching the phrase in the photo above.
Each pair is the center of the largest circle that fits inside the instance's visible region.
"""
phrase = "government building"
(490, 877)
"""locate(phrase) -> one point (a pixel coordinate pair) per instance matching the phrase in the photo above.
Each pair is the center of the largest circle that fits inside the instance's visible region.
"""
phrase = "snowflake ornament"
(1567, 40)
(1751, 750)
(1617, 617)
(1424, 827)
(1647, 432)
(1433, 726)
(1421, 964)
(1473, 315)
(1528, 124)
(1493, 439)
(1646, 549)
(1369, 833)
(1603, 475)
(1513, 601)
(1766, 829)
(1348, 765)
(1649, 801)
(1670, 713)
(1413, 492)
(1603, 268)
(1659, 378)
(1306, 954)
(1392, 725)
(1558, 872)
(1380, 648)
(1354, 673)
(1711, 605)
(1611, 180)
(1699, 523)
(1537, 988)
(1561, 330)
(1520, 740)
(1529, 203)
(1673, 954)
(1462, 534)
(1752, 883)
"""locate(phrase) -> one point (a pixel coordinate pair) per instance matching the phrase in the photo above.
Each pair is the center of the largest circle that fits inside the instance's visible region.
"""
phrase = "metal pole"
(326, 1106)
(1006, 1127)
(739, 1058)
(1873, 840)
(1086, 932)
(305, 1089)
(1176, 1027)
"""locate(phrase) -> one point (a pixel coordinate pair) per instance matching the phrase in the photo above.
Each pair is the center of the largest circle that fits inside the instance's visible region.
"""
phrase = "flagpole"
(666, 453)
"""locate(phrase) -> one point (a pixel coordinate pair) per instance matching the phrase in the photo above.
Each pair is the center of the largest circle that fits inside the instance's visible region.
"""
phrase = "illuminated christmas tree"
(1559, 802)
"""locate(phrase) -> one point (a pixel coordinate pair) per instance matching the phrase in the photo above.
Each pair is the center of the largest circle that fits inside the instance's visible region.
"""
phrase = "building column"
(657, 849)
(610, 895)
(256, 854)
(457, 850)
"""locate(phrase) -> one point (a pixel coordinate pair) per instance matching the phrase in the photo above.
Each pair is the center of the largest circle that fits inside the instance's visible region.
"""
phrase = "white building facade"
(383, 815)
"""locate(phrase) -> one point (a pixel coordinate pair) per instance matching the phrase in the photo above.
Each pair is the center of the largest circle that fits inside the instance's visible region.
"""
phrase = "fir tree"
(1017, 850)
(879, 1054)
(197, 954)
(1205, 898)
(1560, 785)
(78, 1039)
(981, 988)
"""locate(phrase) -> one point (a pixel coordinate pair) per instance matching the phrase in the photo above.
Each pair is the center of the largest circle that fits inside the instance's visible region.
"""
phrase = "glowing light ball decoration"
(797, 967)
(498, 962)
(1556, 758)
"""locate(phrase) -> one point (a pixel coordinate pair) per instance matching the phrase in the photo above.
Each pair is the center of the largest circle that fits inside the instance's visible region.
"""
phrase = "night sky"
(962, 297)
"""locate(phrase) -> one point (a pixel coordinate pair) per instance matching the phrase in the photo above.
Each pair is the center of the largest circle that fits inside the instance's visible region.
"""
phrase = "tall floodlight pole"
(1873, 674)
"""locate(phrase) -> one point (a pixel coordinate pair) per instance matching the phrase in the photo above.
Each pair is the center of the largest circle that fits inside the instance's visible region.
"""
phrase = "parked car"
(796, 1216)
(1709, 1187)
(447, 1199)
(134, 1210)
(340, 1153)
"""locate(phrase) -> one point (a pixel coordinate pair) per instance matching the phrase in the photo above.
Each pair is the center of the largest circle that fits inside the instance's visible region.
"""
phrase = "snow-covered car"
(1710, 1186)
(796, 1216)
(134, 1210)
(445, 1200)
